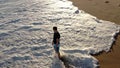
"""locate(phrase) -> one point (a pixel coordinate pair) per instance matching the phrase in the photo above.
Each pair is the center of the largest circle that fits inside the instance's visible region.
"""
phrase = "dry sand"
(106, 10)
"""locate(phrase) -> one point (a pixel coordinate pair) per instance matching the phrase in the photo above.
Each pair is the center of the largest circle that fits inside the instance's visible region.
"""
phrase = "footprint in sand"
(119, 5)
(107, 2)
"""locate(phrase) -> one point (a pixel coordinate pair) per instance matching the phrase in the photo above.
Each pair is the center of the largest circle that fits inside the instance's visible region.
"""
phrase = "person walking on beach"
(56, 41)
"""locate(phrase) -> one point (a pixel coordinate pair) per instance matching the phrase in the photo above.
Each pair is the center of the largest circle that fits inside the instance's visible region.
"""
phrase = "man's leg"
(55, 48)
(58, 53)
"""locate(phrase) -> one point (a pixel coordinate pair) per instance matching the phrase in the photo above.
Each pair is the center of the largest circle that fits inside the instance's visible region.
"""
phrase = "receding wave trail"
(26, 34)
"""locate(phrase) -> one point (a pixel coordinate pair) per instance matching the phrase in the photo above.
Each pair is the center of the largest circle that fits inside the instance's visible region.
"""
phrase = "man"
(56, 41)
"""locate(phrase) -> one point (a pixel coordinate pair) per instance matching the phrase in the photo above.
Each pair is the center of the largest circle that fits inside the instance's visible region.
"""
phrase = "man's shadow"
(63, 62)
(57, 63)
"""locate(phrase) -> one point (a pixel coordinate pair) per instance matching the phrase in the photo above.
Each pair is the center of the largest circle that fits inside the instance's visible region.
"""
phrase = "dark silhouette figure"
(56, 41)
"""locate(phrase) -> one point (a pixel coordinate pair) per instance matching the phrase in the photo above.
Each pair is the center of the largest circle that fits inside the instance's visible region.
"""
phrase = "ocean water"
(26, 34)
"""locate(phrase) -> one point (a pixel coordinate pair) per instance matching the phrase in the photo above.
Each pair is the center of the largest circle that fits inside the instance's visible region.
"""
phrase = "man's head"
(54, 28)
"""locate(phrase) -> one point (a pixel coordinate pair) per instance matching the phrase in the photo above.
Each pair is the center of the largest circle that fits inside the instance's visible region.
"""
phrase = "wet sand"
(106, 10)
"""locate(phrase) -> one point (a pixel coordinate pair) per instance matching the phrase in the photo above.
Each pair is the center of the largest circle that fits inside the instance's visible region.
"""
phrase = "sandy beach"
(106, 10)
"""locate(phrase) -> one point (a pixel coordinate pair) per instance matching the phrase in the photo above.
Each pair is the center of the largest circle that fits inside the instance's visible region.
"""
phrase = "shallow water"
(26, 34)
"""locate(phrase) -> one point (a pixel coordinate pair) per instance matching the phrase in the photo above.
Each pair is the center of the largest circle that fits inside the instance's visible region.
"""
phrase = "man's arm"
(57, 41)
(58, 38)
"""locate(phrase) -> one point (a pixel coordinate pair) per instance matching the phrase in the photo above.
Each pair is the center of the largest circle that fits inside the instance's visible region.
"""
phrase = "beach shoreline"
(100, 9)
(104, 10)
